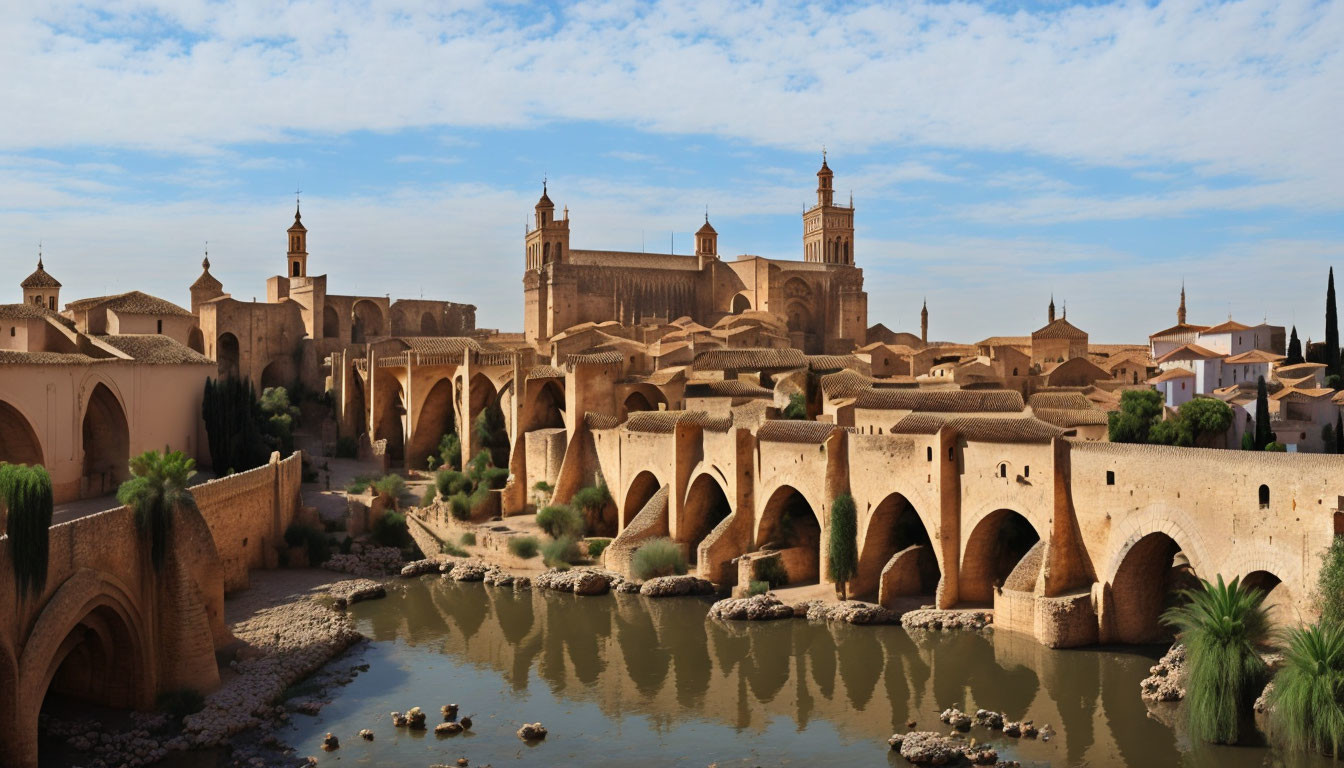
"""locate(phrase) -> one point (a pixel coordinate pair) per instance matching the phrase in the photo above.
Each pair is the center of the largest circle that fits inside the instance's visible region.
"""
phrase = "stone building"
(821, 298)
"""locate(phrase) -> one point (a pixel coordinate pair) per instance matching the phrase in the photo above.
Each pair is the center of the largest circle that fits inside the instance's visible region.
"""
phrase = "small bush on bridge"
(597, 546)
(390, 487)
(450, 451)
(592, 503)
(560, 520)
(771, 571)
(842, 550)
(1221, 626)
(158, 487)
(459, 506)
(523, 546)
(451, 482)
(1330, 584)
(659, 557)
(757, 588)
(561, 553)
(390, 531)
(1305, 710)
(26, 493)
(313, 541)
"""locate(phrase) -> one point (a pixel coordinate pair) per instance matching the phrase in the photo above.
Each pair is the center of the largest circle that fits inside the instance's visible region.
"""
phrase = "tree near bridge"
(234, 424)
(1221, 626)
(26, 495)
(843, 548)
(1197, 422)
(1263, 435)
(1140, 409)
(158, 489)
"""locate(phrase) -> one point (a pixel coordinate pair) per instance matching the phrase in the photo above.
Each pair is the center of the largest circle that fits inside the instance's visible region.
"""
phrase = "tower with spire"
(206, 287)
(40, 288)
(706, 242)
(548, 240)
(828, 229)
(298, 246)
(1180, 312)
(1051, 312)
(924, 323)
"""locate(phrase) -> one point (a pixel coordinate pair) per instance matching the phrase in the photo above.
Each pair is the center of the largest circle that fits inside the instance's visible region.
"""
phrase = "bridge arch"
(706, 506)
(388, 409)
(637, 494)
(434, 420)
(897, 536)
(105, 439)
(791, 522)
(741, 303)
(19, 443)
(998, 541)
(546, 406)
(643, 397)
(89, 643)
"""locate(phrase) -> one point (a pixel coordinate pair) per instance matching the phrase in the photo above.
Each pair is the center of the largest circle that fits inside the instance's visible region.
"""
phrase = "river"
(628, 681)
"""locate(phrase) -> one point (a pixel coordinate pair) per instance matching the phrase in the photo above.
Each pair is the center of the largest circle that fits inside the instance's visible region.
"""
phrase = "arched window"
(51, 303)
(928, 453)
(296, 269)
(545, 252)
(846, 251)
(1264, 497)
(1003, 470)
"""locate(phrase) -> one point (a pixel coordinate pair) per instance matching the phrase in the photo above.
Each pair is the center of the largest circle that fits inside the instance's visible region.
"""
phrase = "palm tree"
(1305, 711)
(1221, 625)
(157, 488)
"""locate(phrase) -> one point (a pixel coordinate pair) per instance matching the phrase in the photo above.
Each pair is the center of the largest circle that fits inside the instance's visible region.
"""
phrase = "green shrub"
(159, 487)
(560, 553)
(523, 546)
(391, 530)
(659, 557)
(280, 418)
(180, 702)
(427, 498)
(1305, 711)
(494, 478)
(561, 520)
(448, 548)
(592, 503)
(468, 539)
(797, 407)
(1276, 447)
(1330, 584)
(450, 482)
(359, 485)
(390, 487)
(597, 546)
(771, 571)
(757, 588)
(842, 548)
(312, 540)
(450, 451)
(26, 492)
(459, 506)
(477, 466)
(1221, 626)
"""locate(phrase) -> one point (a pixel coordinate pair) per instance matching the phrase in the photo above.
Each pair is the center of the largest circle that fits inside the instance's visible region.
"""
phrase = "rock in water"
(675, 586)
(927, 748)
(447, 729)
(331, 742)
(366, 735)
(532, 732)
(765, 607)
(449, 712)
(466, 723)
(415, 719)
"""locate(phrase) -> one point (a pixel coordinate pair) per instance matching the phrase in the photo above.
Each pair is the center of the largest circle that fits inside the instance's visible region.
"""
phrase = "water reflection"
(628, 656)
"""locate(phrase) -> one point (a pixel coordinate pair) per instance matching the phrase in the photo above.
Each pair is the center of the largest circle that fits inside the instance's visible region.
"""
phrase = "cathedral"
(821, 298)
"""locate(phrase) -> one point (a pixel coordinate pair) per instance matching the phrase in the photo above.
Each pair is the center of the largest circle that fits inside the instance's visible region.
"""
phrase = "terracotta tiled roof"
(440, 345)
(1072, 417)
(1228, 327)
(131, 303)
(918, 424)
(545, 372)
(834, 362)
(1059, 329)
(40, 279)
(1255, 356)
(1189, 352)
(845, 383)
(595, 358)
(1059, 400)
(1171, 373)
(1300, 369)
(600, 420)
(206, 280)
(942, 401)
(665, 422)
(754, 359)
(1026, 430)
(664, 376)
(12, 357)
(727, 388)
(1179, 328)
(32, 312)
(154, 349)
(1310, 394)
(1005, 341)
(794, 431)
(1295, 382)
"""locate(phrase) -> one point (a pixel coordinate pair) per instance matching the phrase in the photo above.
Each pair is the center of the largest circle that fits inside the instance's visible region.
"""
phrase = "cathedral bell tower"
(548, 239)
(706, 242)
(828, 229)
(298, 246)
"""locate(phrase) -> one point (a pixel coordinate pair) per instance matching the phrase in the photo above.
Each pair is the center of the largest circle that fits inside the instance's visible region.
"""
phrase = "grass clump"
(523, 546)
(561, 520)
(1221, 625)
(561, 553)
(427, 498)
(468, 539)
(771, 571)
(312, 540)
(757, 588)
(1330, 584)
(449, 548)
(391, 531)
(360, 484)
(597, 546)
(390, 487)
(659, 557)
(591, 502)
(1305, 709)
(451, 482)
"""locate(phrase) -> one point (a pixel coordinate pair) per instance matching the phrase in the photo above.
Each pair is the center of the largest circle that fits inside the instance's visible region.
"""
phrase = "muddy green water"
(623, 680)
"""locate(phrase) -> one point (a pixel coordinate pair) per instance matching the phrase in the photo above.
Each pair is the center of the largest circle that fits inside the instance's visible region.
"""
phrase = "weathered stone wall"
(248, 513)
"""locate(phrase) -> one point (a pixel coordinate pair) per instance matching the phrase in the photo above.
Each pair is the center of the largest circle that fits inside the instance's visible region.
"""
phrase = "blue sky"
(997, 153)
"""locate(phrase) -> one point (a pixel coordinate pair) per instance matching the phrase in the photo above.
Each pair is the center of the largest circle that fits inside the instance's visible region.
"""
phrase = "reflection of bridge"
(1071, 542)
(661, 660)
(110, 629)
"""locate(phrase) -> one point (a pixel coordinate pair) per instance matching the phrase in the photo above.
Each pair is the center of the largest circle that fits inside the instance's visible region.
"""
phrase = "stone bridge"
(110, 629)
(1071, 542)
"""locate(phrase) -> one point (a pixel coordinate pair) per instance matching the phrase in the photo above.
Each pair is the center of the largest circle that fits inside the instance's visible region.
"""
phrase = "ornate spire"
(1052, 307)
(205, 263)
(1180, 313)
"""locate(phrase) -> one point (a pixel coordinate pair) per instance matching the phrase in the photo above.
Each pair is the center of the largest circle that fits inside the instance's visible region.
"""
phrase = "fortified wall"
(110, 628)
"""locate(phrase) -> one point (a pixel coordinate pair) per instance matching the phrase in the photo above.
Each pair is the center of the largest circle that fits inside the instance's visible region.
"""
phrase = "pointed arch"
(19, 443)
(106, 442)
(637, 494)
(998, 541)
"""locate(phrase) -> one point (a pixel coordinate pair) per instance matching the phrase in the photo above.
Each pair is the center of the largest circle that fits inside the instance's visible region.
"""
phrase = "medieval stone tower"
(298, 247)
(41, 288)
(828, 229)
(548, 240)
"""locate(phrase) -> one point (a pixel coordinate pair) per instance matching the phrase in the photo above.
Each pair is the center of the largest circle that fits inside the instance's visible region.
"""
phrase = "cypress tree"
(26, 493)
(1263, 436)
(1294, 349)
(843, 549)
(1331, 327)
(233, 425)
